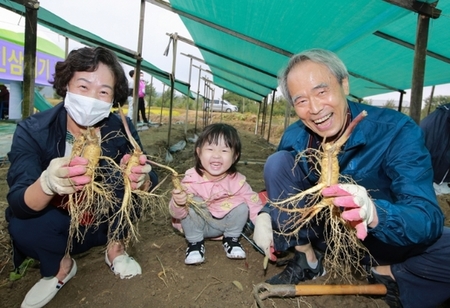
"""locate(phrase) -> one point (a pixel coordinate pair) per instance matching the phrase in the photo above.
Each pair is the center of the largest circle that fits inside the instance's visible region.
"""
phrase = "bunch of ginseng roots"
(97, 202)
(344, 250)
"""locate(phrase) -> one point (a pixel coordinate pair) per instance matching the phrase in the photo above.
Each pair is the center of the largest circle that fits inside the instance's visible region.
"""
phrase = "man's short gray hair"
(321, 56)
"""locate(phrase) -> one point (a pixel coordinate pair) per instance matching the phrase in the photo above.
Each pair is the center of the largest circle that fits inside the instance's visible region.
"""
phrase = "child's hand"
(179, 197)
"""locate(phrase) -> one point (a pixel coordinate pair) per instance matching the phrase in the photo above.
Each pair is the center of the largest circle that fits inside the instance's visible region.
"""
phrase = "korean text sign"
(11, 63)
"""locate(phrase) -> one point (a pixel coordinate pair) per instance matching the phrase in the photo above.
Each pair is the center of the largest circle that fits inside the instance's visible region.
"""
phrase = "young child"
(222, 199)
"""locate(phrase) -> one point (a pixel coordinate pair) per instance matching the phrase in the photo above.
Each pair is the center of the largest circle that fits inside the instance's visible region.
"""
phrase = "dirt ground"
(166, 281)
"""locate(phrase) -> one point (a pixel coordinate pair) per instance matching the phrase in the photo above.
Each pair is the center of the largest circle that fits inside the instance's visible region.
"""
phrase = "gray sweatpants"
(197, 226)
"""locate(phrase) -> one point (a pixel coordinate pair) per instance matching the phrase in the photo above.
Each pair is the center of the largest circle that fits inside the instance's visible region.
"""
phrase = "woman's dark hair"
(87, 59)
(211, 135)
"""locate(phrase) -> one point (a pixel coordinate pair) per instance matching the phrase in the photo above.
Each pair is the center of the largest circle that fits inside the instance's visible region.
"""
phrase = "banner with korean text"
(11, 63)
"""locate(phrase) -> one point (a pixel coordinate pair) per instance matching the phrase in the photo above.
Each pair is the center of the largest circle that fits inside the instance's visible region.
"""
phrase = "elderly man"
(400, 223)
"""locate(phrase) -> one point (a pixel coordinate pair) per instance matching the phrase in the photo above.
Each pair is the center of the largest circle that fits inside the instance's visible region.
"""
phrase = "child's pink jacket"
(220, 196)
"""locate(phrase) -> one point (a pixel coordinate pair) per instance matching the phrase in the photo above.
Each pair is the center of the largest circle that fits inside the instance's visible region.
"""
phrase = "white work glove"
(263, 235)
(64, 176)
(139, 174)
(359, 209)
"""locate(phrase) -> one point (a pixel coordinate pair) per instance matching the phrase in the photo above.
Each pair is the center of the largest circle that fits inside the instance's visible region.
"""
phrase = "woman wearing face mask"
(42, 173)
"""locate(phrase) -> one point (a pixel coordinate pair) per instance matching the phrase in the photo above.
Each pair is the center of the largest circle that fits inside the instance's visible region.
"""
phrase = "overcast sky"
(118, 22)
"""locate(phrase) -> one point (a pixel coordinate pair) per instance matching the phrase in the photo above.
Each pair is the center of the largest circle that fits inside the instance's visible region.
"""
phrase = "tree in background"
(150, 93)
(431, 106)
(390, 104)
(164, 99)
(244, 104)
(279, 106)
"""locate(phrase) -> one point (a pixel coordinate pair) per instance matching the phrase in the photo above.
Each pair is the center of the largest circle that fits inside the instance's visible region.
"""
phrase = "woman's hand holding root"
(140, 173)
(359, 209)
(64, 176)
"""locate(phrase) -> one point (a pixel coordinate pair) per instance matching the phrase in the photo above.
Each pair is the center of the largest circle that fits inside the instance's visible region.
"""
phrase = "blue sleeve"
(411, 215)
(25, 168)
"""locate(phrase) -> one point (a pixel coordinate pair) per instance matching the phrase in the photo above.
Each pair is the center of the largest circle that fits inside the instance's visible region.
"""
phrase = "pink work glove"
(263, 235)
(139, 173)
(64, 176)
(359, 209)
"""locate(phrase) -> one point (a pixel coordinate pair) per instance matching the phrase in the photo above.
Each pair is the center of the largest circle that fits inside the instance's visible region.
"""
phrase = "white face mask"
(86, 111)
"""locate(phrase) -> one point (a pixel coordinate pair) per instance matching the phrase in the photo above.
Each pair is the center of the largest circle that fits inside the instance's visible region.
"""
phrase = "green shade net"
(282, 28)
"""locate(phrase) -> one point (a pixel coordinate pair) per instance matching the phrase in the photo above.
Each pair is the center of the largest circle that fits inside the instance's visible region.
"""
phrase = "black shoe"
(233, 248)
(195, 253)
(392, 295)
(298, 270)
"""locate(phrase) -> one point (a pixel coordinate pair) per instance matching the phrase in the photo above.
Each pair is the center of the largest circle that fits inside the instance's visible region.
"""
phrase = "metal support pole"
(137, 70)
(418, 77)
(206, 95)
(29, 67)
(198, 96)
(264, 117)
(222, 105)
(271, 115)
(187, 99)
(162, 104)
(172, 84)
(150, 99)
(400, 102)
(431, 100)
(212, 100)
(287, 114)
(257, 118)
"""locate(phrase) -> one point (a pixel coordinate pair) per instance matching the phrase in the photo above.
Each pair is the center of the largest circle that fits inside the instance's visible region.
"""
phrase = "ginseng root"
(124, 223)
(90, 205)
(197, 206)
(345, 250)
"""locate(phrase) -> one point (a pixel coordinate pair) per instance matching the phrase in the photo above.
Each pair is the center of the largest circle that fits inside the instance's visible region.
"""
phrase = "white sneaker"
(45, 289)
(141, 128)
(233, 248)
(195, 253)
(124, 265)
(441, 189)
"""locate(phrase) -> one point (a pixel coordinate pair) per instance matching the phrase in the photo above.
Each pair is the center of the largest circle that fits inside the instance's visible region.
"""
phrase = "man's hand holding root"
(263, 235)
(359, 209)
(64, 176)
(139, 175)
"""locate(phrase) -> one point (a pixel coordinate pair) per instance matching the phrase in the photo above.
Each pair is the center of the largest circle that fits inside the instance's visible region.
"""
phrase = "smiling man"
(400, 223)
